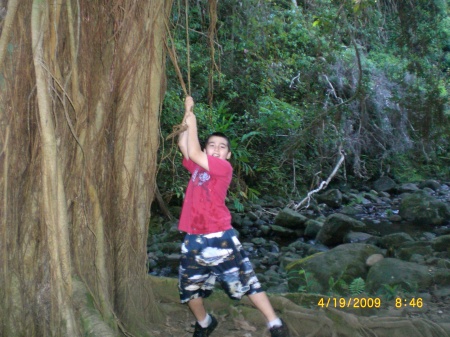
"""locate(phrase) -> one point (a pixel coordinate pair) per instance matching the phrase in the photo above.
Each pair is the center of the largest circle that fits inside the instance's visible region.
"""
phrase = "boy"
(211, 249)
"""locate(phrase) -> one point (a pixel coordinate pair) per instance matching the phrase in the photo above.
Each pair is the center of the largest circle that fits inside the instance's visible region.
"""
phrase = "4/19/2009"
(350, 302)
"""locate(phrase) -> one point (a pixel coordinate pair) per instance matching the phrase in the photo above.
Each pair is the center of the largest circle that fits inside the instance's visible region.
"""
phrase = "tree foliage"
(305, 77)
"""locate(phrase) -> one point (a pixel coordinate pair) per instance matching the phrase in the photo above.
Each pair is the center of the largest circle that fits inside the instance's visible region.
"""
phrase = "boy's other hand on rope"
(189, 104)
(189, 116)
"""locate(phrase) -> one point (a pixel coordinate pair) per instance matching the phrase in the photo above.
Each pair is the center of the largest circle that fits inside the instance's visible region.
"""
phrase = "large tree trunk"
(81, 83)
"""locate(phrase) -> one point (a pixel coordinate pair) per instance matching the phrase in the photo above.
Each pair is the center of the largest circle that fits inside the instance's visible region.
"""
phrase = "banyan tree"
(81, 85)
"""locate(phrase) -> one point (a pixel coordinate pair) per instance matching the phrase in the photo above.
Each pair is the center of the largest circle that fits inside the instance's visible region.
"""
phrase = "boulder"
(408, 249)
(300, 247)
(351, 210)
(373, 198)
(332, 198)
(384, 184)
(420, 208)
(391, 272)
(441, 243)
(343, 263)
(312, 228)
(284, 232)
(395, 240)
(408, 188)
(357, 237)
(336, 227)
(289, 218)
(433, 184)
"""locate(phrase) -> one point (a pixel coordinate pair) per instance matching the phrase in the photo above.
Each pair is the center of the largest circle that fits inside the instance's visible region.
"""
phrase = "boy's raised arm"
(195, 152)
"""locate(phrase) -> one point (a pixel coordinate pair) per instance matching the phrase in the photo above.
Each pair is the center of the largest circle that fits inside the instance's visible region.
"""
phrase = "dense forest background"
(294, 83)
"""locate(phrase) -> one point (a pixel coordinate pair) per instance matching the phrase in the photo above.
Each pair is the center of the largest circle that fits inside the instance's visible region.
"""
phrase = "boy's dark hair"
(218, 134)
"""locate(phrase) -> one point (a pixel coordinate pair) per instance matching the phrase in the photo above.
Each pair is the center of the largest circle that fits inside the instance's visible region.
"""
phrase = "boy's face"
(218, 147)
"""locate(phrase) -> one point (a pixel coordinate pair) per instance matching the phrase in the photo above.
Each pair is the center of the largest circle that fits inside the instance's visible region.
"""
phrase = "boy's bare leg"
(197, 308)
(261, 302)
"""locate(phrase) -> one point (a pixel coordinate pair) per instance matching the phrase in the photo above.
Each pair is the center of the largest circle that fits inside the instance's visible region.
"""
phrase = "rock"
(270, 259)
(351, 210)
(395, 240)
(428, 190)
(433, 184)
(301, 248)
(384, 194)
(290, 219)
(174, 258)
(260, 223)
(288, 259)
(265, 229)
(422, 209)
(417, 258)
(384, 184)
(395, 218)
(278, 289)
(246, 222)
(357, 199)
(373, 198)
(258, 241)
(374, 258)
(408, 249)
(236, 220)
(283, 232)
(332, 198)
(345, 262)
(441, 243)
(442, 292)
(426, 236)
(335, 228)
(393, 272)
(357, 237)
(312, 228)
(444, 230)
(252, 216)
(408, 188)
(441, 276)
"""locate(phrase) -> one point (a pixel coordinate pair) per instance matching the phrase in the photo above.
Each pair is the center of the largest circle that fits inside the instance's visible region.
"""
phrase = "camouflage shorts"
(218, 256)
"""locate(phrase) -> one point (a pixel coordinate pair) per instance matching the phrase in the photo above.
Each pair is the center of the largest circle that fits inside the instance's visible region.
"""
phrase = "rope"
(188, 52)
(177, 129)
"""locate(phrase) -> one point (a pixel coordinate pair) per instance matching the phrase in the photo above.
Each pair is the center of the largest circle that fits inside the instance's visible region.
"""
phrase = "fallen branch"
(323, 184)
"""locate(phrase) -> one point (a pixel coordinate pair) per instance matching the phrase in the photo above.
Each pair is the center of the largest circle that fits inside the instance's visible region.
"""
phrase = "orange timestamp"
(351, 302)
(415, 302)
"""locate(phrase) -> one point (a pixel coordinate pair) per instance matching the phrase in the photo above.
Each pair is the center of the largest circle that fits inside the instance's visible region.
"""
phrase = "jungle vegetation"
(294, 83)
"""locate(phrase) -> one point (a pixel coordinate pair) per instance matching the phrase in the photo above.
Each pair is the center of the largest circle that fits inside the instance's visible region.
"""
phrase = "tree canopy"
(291, 82)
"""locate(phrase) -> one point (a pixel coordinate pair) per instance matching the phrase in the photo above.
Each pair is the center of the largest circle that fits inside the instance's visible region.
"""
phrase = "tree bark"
(79, 134)
(7, 25)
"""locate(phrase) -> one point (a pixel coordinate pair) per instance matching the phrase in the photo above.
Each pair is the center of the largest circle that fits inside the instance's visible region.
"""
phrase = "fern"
(357, 286)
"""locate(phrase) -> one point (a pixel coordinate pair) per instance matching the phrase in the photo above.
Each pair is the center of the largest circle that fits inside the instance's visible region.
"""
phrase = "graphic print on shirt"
(202, 177)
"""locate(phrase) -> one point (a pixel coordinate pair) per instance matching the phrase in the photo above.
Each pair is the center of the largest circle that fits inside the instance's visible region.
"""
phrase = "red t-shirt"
(204, 210)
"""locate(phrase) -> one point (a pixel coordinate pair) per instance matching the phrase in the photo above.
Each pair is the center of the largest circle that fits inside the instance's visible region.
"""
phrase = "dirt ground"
(303, 316)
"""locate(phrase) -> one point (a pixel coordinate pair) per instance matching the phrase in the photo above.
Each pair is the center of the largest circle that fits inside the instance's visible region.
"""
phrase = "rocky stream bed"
(381, 250)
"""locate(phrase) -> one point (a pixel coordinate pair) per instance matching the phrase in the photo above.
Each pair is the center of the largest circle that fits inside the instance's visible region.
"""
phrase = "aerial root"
(177, 129)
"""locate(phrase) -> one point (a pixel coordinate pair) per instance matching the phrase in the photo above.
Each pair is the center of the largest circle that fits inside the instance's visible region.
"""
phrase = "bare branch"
(323, 184)
(295, 79)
